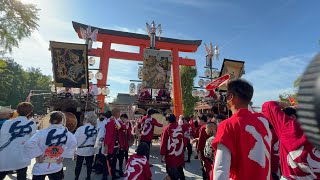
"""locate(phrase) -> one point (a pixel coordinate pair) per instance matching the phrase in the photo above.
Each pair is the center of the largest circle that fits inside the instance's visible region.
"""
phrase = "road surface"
(192, 170)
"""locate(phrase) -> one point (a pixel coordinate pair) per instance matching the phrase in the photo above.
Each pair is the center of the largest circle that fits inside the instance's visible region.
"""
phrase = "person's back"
(148, 123)
(13, 134)
(172, 148)
(49, 146)
(249, 144)
(298, 157)
(242, 142)
(173, 145)
(138, 166)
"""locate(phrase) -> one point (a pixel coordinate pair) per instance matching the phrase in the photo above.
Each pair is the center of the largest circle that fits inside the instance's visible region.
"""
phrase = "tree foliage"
(187, 74)
(17, 21)
(16, 83)
(284, 96)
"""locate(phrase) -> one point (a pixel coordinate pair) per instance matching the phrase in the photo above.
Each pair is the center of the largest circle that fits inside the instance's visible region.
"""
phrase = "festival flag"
(29, 97)
(292, 101)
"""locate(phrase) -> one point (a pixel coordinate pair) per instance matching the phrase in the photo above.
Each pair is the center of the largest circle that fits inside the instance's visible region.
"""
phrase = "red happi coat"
(172, 145)
(138, 168)
(202, 140)
(299, 159)
(124, 135)
(148, 124)
(248, 137)
(192, 125)
(110, 135)
(187, 133)
(275, 159)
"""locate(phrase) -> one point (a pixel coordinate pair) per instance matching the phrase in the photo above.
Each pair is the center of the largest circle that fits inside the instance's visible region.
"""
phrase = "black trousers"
(99, 162)
(189, 148)
(275, 176)
(21, 174)
(89, 161)
(204, 174)
(176, 173)
(53, 176)
(149, 144)
(112, 161)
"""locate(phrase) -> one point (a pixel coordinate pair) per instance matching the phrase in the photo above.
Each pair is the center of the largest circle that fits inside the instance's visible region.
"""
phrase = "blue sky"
(276, 38)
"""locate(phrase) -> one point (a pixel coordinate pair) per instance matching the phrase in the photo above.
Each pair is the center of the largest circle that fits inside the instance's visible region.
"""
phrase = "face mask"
(101, 119)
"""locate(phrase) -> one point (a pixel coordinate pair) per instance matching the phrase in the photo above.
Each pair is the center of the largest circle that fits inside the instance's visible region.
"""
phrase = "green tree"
(16, 84)
(187, 74)
(284, 96)
(17, 21)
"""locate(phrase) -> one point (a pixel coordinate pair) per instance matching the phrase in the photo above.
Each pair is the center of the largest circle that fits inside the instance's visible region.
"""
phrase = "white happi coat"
(13, 134)
(54, 135)
(101, 134)
(86, 136)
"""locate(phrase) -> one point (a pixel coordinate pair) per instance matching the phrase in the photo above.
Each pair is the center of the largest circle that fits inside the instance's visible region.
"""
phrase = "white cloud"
(277, 76)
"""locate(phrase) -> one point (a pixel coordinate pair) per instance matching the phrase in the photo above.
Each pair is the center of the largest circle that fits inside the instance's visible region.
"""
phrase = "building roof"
(125, 99)
(77, 26)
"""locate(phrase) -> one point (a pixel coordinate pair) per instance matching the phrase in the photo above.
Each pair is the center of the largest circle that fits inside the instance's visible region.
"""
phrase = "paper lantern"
(132, 89)
(99, 76)
(201, 82)
(207, 72)
(105, 91)
(215, 74)
(194, 93)
(201, 93)
(91, 61)
(139, 88)
(99, 91)
(90, 75)
(207, 82)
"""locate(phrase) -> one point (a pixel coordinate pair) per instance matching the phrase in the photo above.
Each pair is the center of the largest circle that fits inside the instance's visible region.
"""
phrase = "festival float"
(213, 85)
(71, 91)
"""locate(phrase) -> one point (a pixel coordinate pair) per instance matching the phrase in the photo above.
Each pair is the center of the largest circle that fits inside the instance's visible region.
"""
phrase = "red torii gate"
(107, 37)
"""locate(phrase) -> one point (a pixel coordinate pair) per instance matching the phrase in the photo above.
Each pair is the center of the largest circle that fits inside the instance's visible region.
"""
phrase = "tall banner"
(69, 64)
(156, 71)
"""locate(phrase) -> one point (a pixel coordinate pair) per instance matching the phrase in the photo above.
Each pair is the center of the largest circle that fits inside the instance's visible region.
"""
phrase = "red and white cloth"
(148, 124)
(247, 138)
(172, 145)
(138, 168)
(299, 159)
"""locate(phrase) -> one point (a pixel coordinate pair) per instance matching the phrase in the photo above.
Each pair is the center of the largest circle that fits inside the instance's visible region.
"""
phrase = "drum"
(71, 121)
(161, 119)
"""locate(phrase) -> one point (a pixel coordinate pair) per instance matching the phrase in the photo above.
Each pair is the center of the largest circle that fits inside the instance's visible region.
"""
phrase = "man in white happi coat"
(13, 134)
(50, 146)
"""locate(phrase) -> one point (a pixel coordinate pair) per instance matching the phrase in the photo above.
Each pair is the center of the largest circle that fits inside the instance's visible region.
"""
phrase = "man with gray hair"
(86, 136)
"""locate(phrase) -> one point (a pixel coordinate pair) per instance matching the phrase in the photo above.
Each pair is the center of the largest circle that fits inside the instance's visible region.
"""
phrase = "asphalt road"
(192, 170)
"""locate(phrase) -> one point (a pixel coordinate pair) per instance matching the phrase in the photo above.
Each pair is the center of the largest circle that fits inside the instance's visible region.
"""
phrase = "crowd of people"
(246, 145)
